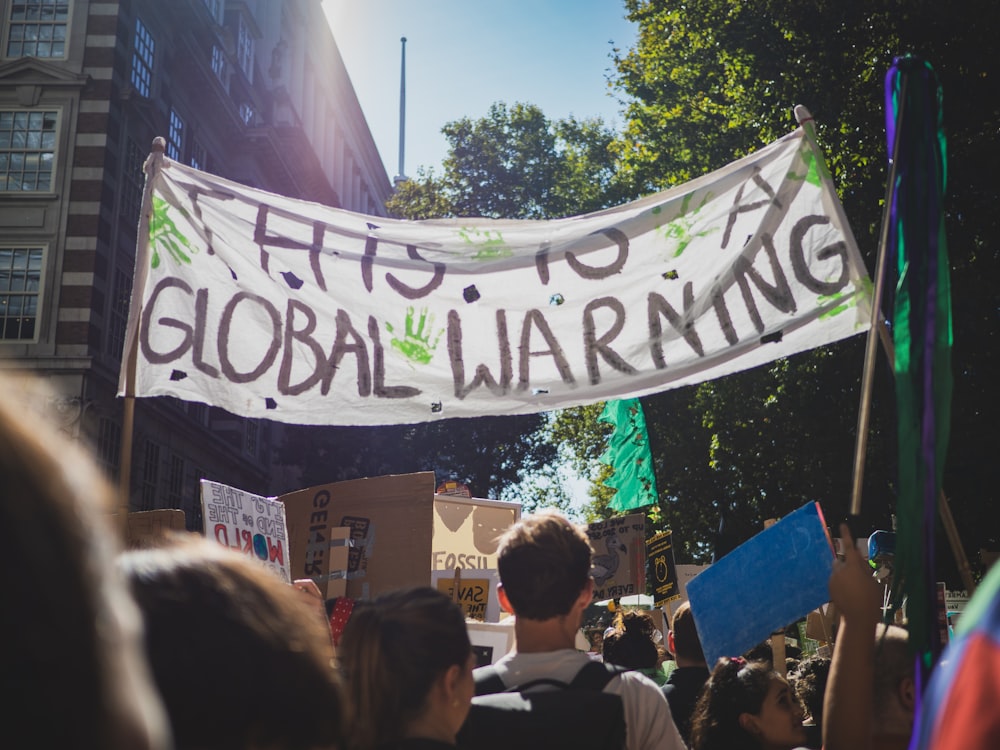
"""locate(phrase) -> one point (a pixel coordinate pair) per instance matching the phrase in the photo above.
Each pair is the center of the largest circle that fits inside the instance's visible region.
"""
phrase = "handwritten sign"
(662, 569)
(467, 531)
(246, 522)
(619, 546)
(477, 592)
(291, 311)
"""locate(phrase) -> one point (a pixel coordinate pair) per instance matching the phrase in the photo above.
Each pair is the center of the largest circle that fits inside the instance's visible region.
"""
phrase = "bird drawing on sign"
(604, 566)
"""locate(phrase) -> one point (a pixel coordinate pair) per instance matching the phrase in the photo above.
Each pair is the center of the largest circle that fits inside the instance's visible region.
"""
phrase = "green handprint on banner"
(816, 168)
(490, 243)
(679, 230)
(163, 231)
(862, 288)
(416, 345)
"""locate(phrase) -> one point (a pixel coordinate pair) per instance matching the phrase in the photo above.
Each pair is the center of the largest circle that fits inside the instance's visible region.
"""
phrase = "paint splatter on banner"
(276, 308)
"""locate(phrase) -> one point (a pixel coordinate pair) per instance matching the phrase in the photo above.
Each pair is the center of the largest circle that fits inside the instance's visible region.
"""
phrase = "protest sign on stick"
(246, 522)
(766, 583)
(662, 569)
(619, 546)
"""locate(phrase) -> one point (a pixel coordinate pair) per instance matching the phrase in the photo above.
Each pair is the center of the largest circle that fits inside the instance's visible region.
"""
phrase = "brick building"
(251, 90)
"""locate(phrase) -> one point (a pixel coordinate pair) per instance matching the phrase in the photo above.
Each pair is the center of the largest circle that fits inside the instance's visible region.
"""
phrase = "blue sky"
(463, 55)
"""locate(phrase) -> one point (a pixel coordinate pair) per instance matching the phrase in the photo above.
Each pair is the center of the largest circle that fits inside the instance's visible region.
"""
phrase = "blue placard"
(763, 585)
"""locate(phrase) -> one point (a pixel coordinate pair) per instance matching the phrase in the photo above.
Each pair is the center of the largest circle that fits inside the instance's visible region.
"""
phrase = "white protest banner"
(296, 312)
(246, 522)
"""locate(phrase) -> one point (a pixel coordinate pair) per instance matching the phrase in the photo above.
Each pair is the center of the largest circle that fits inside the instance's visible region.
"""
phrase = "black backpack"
(578, 715)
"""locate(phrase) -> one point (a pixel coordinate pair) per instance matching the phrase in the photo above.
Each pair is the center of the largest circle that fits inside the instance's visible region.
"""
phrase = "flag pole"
(876, 331)
(126, 383)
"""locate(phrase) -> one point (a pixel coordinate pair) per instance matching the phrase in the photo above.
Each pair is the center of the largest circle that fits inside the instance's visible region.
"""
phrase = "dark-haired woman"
(746, 706)
(408, 663)
(630, 643)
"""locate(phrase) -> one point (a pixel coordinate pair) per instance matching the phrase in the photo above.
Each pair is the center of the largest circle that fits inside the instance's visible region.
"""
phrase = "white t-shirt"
(648, 724)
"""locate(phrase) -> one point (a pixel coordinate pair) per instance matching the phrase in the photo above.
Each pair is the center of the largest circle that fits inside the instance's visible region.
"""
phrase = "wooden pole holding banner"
(879, 332)
(129, 362)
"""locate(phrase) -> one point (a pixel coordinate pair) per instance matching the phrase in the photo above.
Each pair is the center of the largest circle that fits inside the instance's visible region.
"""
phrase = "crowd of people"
(191, 645)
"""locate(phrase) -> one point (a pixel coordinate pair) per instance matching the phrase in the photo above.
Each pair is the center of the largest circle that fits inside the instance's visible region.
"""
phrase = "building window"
(247, 114)
(150, 475)
(175, 141)
(251, 433)
(143, 49)
(20, 278)
(198, 412)
(133, 179)
(37, 28)
(109, 445)
(27, 150)
(199, 159)
(215, 9)
(244, 49)
(121, 295)
(219, 65)
(175, 482)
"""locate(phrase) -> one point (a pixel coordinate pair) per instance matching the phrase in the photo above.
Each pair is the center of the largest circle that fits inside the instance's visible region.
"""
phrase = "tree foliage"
(711, 80)
(515, 163)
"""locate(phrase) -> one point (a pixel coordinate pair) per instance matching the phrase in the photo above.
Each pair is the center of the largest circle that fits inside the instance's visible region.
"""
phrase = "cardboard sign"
(250, 523)
(619, 546)
(466, 531)
(477, 592)
(771, 580)
(662, 569)
(389, 521)
(147, 528)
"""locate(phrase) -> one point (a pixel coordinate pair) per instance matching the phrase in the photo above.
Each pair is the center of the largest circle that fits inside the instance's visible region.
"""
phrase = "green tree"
(711, 80)
(515, 163)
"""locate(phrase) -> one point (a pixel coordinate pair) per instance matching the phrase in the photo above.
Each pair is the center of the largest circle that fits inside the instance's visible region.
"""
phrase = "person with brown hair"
(746, 706)
(407, 661)
(544, 563)
(630, 641)
(73, 673)
(242, 660)
(686, 681)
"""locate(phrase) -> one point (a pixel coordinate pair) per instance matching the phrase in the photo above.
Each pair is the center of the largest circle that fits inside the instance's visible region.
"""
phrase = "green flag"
(628, 455)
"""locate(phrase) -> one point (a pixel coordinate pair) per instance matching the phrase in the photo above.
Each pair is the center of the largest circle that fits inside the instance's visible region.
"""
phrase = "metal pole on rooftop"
(401, 177)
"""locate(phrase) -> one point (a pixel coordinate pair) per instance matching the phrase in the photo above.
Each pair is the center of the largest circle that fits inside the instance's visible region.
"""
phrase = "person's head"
(544, 566)
(73, 673)
(407, 661)
(894, 692)
(241, 660)
(810, 685)
(631, 642)
(683, 640)
(746, 706)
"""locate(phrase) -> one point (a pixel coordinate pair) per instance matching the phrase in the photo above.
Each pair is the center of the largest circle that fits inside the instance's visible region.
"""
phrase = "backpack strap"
(592, 676)
(595, 675)
(487, 680)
